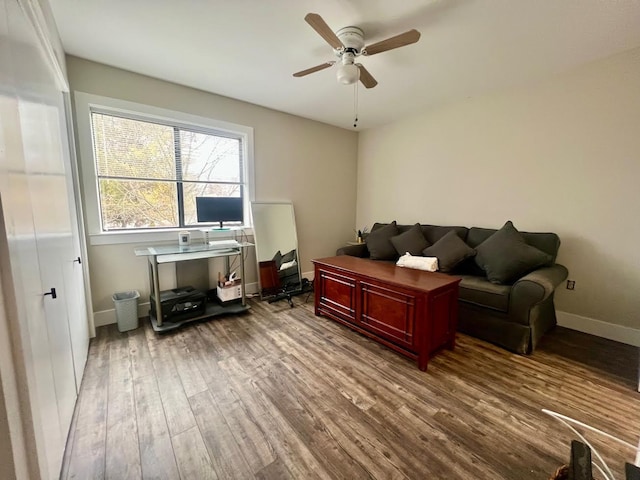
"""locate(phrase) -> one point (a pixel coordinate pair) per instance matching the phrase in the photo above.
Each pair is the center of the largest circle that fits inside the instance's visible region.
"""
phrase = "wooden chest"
(411, 311)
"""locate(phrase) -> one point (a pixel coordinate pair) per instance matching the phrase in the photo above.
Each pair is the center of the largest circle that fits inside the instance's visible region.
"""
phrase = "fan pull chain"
(355, 105)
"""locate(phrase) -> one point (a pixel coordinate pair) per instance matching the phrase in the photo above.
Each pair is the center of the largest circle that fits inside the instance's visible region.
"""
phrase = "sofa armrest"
(359, 250)
(533, 289)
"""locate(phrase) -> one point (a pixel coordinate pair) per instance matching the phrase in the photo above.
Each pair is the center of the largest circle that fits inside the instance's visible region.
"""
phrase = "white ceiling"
(248, 49)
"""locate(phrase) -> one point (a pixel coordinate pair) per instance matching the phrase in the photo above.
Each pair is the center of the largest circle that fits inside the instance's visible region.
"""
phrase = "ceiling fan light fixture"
(348, 74)
(348, 44)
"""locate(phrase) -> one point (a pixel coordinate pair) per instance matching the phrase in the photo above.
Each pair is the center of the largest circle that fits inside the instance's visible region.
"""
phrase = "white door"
(48, 191)
(26, 277)
(73, 277)
(73, 268)
(39, 221)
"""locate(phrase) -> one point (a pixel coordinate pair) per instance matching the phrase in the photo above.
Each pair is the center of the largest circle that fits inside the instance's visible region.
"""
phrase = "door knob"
(77, 260)
(52, 293)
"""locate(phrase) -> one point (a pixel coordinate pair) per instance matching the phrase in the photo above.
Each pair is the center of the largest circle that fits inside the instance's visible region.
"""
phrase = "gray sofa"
(515, 314)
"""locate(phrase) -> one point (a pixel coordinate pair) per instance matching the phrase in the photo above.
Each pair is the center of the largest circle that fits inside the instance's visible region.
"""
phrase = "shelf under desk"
(174, 253)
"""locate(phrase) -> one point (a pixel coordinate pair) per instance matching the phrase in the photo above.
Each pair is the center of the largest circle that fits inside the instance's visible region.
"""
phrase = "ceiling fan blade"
(320, 26)
(406, 38)
(317, 68)
(366, 78)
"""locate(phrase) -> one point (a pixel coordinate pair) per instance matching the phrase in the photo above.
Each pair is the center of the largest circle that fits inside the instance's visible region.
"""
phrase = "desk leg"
(152, 290)
(242, 279)
(155, 286)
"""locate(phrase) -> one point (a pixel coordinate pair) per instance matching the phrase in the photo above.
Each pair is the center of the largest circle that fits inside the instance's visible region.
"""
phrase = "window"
(143, 167)
(149, 173)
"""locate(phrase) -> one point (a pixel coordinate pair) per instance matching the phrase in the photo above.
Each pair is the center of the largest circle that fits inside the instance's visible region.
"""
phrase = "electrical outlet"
(571, 284)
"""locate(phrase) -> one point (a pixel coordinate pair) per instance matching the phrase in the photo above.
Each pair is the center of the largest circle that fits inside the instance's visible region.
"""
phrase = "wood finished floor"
(279, 393)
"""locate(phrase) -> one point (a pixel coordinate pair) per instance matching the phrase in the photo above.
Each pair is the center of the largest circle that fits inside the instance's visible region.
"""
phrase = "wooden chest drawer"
(336, 295)
(389, 312)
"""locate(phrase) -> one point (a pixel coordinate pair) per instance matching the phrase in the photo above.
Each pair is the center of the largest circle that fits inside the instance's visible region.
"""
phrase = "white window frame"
(85, 102)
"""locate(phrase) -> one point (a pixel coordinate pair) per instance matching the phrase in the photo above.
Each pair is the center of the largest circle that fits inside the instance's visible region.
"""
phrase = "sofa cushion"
(355, 250)
(480, 291)
(469, 267)
(412, 241)
(377, 225)
(433, 233)
(505, 256)
(549, 243)
(450, 250)
(379, 242)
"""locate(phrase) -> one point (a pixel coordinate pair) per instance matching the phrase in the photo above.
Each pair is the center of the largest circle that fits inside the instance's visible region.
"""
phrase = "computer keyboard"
(224, 243)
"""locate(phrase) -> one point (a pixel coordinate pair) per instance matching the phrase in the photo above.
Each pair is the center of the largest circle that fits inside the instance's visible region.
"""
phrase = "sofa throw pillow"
(450, 251)
(379, 242)
(505, 256)
(377, 225)
(412, 241)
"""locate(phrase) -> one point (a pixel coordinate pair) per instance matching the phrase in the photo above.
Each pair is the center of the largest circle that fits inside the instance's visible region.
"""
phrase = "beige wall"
(308, 163)
(562, 156)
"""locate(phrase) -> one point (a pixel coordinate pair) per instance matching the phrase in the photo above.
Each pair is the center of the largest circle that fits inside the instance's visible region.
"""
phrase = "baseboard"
(252, 288)
(618, 333)
(108, 317)
(308, 275)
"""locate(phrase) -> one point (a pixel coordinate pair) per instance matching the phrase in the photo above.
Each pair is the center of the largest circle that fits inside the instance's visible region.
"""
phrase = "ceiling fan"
(348, 44)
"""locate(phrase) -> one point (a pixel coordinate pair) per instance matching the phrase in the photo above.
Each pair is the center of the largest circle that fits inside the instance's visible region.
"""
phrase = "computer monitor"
(219, 209)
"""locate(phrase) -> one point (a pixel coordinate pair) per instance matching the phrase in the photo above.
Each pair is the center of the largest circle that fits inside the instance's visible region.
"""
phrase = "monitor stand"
(220, 228)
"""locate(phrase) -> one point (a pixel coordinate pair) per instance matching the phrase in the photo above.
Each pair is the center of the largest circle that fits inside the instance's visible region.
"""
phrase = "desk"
(175, 253)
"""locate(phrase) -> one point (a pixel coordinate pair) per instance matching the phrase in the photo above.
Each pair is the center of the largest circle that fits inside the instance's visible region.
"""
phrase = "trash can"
(126, 310)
